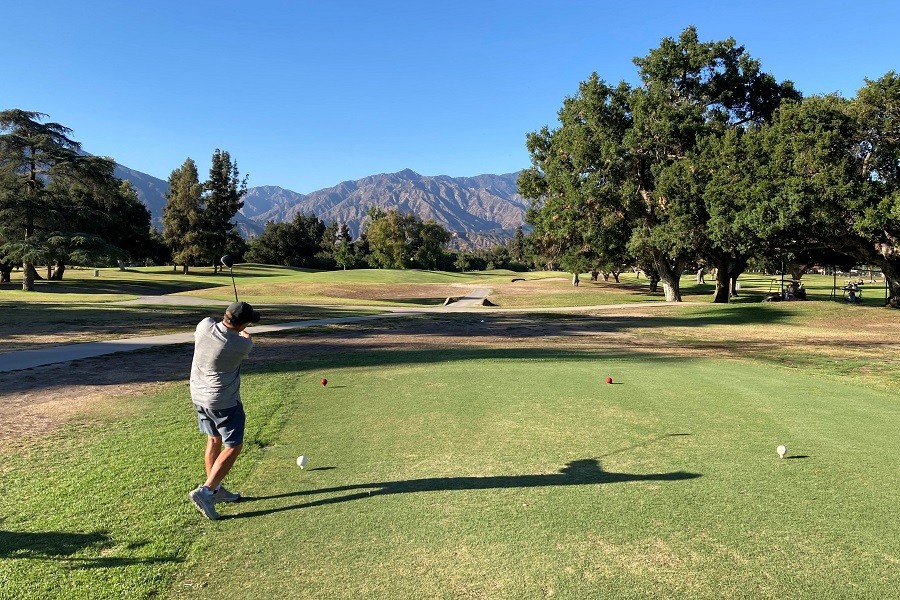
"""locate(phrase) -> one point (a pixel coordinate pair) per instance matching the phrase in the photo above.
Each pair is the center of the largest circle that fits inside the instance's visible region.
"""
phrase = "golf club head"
(228, 261)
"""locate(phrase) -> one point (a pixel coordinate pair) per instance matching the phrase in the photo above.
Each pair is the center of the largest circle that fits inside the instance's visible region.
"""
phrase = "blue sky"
(305, 94)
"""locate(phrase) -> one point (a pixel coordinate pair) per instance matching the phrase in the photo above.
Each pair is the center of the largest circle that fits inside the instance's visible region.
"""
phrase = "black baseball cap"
(239, 313)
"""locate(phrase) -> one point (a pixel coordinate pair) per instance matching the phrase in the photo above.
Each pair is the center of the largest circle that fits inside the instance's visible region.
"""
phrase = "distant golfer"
(219, 349)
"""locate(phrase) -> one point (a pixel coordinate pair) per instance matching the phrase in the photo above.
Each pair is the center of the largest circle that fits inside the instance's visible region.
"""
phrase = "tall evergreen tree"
(182, 216)
(42, 174)
(343, 250)
(221, 202)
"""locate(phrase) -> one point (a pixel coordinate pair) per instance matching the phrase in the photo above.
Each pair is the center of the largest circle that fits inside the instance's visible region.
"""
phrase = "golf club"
(228, 261)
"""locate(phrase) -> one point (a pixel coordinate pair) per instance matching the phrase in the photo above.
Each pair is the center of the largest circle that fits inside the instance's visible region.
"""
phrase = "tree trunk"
(671, 289)
(5, 273)
(58, 272)
(670, 275)
(796, 270)
(28, 277)
(723, 286)
(893, 293)
(121, 264)
(184, 269)
(615, 275)
(728, 269)
(654, 281)
(891, 273)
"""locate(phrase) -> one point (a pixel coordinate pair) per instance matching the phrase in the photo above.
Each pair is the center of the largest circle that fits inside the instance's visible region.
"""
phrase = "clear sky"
(306, 94)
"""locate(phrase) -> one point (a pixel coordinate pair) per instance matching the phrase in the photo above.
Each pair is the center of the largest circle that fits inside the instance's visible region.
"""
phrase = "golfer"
(219, 349)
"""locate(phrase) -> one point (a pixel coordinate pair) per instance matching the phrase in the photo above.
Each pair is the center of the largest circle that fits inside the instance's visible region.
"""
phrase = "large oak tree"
(614, 165)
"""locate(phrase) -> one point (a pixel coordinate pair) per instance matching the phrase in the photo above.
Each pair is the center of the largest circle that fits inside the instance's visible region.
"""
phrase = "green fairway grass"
(376, 287)
(483, 471)
(81, 285)
(557, 291)
(268, 284)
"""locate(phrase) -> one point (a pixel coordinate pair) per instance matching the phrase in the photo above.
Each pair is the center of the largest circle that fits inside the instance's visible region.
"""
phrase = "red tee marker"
(609, 380)
(324, 382)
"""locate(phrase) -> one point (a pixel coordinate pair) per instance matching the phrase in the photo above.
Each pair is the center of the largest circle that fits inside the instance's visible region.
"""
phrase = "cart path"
(473, 300)
(28, 359)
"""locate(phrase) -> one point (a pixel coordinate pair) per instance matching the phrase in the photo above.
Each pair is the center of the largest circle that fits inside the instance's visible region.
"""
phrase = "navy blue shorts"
(226, 423)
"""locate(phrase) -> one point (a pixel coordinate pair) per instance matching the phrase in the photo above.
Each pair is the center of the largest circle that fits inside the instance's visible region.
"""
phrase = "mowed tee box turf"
(439, 476)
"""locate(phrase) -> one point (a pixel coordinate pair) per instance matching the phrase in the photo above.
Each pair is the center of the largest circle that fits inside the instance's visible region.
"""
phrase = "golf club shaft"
(231, 270)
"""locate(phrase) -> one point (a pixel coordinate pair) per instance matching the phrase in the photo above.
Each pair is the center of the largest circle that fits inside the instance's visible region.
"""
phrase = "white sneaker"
(204, 503)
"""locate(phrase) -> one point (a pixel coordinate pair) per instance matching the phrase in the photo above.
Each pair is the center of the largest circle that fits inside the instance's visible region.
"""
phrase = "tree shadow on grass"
(578, 472)
(66, 546)
(336, 357)
(374, 343)
(516, 326)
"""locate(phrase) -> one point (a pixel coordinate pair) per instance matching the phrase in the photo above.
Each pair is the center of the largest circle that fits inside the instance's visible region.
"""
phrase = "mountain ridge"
(479, 211)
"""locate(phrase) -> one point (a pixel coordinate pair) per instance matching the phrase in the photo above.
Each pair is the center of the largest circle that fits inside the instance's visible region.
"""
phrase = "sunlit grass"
(378, 287)
(279, 285)
(484, 472)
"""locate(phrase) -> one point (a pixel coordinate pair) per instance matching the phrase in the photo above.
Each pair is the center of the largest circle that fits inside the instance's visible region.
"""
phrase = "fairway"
(483, 456)
(525, 476)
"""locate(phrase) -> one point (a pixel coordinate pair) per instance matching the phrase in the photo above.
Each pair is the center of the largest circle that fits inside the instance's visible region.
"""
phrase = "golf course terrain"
(473, 452)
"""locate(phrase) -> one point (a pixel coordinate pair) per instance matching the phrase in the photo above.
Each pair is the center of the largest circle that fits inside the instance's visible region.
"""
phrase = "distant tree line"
(59, 207)
(389, 239)
(711, 162)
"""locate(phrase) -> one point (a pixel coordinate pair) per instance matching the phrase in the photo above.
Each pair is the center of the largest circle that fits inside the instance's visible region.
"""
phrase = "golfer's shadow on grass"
(578, 472)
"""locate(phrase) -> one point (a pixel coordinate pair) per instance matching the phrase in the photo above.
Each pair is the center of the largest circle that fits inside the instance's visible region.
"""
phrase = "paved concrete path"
(174, 300)
(28, 359)
(475, 297)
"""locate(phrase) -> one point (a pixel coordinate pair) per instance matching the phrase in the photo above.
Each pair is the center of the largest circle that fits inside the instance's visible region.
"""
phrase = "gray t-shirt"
(216, 368)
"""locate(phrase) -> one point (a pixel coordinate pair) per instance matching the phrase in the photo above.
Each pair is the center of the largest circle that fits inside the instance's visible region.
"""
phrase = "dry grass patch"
(388, 294)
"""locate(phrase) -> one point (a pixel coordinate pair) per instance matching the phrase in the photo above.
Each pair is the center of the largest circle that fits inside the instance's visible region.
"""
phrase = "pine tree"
(43, 178)
(222, 201)
(182, 215)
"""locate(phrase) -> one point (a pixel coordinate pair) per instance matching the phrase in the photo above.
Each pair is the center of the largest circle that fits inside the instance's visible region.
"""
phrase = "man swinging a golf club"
(219, 349)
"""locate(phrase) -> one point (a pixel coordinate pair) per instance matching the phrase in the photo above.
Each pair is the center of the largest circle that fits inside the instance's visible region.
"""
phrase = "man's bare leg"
(221, 465)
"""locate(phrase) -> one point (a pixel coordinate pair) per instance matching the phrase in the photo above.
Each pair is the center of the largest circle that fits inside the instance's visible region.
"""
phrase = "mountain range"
(478, 211)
